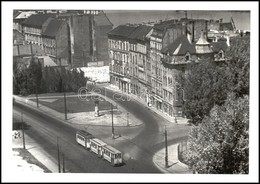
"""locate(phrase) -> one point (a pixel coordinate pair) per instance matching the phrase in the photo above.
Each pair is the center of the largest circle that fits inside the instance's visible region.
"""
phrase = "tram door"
(99, 151)
(112, 158)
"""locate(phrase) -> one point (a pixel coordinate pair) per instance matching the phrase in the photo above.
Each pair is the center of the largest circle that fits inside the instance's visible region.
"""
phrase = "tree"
(205, 85)
(220, 144)
(35, 76)
(239, 65)
(208, 83)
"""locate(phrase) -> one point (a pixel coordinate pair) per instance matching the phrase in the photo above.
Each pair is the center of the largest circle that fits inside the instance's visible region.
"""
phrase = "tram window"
(107, 153)
(118, 155)
(81, 138)
(94, 145)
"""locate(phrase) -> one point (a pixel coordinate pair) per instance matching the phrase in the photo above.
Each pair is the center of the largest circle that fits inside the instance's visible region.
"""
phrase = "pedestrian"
(176, 119)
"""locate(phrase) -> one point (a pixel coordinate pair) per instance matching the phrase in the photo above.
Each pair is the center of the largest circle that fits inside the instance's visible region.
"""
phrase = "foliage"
(239, 65)
(220, 144)
(27, 79)
(207, 83)
(33, 78)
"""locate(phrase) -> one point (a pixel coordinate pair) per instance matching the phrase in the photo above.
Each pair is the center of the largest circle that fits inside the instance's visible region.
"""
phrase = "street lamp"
(127, 119)
(96, 108)
(113, 133)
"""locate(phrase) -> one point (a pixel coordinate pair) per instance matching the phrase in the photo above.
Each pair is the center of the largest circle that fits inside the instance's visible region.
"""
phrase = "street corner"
(172, 163)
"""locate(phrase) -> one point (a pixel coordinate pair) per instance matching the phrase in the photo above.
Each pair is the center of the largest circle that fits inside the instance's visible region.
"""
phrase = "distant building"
(55, 38)
(48, 32)
(139, 65)
(219, 29)
(146, 60)
(119, 49)
(79, 37)
(19, 17)
(175, 58)
(87, 37)
(162, 35)
(34, 26)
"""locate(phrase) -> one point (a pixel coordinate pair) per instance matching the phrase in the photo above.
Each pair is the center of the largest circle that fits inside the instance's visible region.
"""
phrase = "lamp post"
(166, 150)
(23, 132)
(65, 106)
(96, 108)
(127, 118)
(113, 134)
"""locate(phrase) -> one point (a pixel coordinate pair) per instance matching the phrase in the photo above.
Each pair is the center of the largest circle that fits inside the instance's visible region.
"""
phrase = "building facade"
(119, 48)
(147, 63)
(87, 37)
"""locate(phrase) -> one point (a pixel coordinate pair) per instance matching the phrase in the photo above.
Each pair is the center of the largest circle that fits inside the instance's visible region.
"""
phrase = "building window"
(187, 57)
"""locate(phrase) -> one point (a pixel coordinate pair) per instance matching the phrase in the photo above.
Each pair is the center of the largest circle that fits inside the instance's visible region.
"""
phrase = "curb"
(29, 104)
(136, 100)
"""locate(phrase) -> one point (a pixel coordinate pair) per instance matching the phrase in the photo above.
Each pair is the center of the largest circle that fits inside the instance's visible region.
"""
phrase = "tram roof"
(98, 141)
(84, 133)
(110, 148)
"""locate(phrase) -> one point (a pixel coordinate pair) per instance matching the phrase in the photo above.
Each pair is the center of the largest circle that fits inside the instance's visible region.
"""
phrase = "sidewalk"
(121, 117)
(37, 160)
(180, 120)
(174, 165)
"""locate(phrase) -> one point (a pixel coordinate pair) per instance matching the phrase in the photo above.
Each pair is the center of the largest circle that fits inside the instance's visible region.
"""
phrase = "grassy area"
(52, 94)
(75, 105)
(27, 156)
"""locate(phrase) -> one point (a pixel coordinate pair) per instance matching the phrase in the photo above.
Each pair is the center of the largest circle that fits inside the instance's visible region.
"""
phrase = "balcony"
(119, 50)
(141, 68)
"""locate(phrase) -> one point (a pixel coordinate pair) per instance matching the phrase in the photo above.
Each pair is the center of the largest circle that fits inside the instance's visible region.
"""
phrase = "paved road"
(45, 130)
(140, 143)
(151, 138)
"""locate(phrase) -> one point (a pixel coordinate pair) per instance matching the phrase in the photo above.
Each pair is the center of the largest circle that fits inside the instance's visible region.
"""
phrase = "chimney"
(202, 34)
(189, 37)
(228, 40)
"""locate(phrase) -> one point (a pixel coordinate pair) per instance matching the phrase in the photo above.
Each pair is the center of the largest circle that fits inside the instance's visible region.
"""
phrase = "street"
(138, 144)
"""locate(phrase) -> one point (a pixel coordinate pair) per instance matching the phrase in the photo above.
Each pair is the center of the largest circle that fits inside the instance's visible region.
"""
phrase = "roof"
(84, 133)
(217, 46)
(227, 26)
(140, 32)
(202, 40)
(53, 28)
(108, 147)
(37, 20)
(102, 20)
(165, 24)
(16, 13)
(98, 141)
(24, 15)
(157, 32)
(122, 30)
(47, 61)
(180, 46)
(202, 45)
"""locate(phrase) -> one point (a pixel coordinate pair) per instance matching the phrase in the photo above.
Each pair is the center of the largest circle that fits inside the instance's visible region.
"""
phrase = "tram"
(112, 155)
(103, 150)
(96, 146)
(83, 138)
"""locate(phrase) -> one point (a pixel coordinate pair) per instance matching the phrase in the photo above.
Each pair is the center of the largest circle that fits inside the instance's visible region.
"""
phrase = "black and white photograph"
(130, 91)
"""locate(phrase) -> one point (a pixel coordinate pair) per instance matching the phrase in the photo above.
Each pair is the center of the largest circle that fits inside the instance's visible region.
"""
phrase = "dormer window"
(187, 57)
(221, 54)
